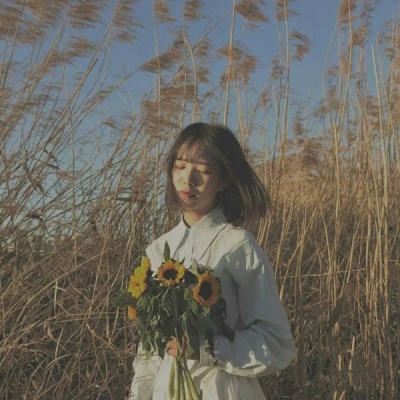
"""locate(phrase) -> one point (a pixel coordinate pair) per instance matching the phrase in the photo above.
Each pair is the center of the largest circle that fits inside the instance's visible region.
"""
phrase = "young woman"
(211, 183)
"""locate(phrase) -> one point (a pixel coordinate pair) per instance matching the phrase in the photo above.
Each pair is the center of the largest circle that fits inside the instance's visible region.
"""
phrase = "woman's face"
(197, 181)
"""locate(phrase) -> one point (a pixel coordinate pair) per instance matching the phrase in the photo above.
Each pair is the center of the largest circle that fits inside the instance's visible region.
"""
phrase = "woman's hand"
(172, 349)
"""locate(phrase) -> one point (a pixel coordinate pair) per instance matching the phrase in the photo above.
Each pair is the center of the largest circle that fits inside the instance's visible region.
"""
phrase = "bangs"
(195, 148)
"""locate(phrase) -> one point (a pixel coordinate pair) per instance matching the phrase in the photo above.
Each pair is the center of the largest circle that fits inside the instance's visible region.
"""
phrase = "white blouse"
(263, 341)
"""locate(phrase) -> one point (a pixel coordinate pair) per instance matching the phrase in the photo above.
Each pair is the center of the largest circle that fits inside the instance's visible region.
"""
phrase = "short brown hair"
(244, 198)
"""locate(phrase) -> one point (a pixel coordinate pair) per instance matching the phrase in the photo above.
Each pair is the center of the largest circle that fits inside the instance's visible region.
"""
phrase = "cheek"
(217, 185)
(175, 177)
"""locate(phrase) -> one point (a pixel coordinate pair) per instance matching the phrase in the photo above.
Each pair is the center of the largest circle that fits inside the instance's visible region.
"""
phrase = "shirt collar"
(202, 232)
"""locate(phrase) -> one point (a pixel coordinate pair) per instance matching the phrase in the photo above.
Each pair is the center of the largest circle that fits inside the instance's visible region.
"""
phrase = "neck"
(191, 217)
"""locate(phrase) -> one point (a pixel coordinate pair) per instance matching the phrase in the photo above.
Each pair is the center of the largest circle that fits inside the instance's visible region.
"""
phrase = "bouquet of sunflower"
(175, 302)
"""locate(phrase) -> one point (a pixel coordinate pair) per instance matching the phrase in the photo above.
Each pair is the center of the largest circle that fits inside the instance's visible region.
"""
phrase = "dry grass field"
(81, 186)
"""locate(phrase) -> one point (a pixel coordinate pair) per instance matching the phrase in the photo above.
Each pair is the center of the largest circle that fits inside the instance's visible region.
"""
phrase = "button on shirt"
(263, 342)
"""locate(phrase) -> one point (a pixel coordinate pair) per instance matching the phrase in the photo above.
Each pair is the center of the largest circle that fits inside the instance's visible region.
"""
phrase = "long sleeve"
(265, 343)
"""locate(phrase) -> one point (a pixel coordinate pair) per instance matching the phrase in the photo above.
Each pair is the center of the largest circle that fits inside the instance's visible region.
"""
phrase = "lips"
(186, 195)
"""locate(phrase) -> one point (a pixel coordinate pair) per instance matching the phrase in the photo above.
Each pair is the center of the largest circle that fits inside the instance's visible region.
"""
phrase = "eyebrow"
(194, 161)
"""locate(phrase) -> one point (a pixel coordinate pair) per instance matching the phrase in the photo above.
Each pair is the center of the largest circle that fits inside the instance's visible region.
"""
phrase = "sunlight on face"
(197, 181)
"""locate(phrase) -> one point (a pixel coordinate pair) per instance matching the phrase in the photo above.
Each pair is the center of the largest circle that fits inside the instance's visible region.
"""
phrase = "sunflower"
(171, 272)
(141, 272)
(137, 286)
(206, 292)
(131, 312)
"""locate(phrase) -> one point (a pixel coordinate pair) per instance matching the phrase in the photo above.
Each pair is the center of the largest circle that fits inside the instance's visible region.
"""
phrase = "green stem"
(181, 385)
(177, 326)
(171, 387)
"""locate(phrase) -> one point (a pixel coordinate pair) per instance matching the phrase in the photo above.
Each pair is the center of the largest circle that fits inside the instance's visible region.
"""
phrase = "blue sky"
(317, 19)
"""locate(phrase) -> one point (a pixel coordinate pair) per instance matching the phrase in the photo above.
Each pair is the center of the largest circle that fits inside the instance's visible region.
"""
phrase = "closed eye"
(202, 168)
(180, 166)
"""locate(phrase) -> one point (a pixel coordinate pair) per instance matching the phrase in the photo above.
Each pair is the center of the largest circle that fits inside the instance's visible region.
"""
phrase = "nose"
(190, 177)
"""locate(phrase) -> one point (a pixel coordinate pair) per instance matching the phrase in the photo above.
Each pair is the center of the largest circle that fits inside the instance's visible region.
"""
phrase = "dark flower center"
(205, 290)
(170, 274)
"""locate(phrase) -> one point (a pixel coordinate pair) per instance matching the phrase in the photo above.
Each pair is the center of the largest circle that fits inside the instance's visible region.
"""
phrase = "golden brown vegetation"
(81, 188)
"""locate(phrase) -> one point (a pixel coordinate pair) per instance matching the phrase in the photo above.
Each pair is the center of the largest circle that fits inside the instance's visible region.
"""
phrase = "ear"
(223, 184)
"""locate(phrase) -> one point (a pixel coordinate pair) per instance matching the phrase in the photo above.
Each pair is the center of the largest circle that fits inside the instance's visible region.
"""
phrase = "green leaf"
(204, 324)
(167, 252)
(194, 306)
(187, 294)
(202, 270)
(190, 278)
(124, 299)
(194, 269)
(193, 338)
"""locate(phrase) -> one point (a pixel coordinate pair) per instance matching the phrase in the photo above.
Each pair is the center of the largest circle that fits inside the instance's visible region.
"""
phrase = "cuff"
(220, 349)
(207, 358)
